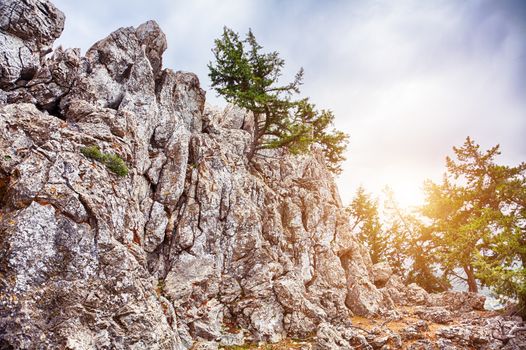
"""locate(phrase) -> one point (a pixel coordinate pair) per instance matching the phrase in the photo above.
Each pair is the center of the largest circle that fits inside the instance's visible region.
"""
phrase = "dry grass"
(282, 345)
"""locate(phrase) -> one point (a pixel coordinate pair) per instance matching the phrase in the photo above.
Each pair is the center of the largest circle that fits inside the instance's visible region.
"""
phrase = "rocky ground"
(194, 247)
(445, 321)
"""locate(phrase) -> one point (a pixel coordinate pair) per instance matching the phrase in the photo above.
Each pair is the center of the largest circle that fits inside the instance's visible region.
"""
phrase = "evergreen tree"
(479, 220)
(249, 78)
(412, 253)
(396, 252)
(397, 237)
(365, 221)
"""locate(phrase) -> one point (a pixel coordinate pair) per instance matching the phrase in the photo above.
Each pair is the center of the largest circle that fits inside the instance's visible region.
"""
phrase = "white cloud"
(406, 79)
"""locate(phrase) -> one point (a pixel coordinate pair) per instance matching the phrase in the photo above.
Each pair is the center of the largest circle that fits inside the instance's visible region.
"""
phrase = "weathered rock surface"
(458, 301)
(192, 239)
(436, 314)
(195, 246)
(27, 31)
(382, 272)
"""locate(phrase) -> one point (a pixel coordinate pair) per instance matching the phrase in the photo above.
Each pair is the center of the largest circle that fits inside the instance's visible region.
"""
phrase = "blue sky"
(407, 79)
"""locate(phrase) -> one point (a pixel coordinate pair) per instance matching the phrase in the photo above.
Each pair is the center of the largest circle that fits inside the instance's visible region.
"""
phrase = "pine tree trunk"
(521, 307)
(256, 136)
(472, 282)
(251, 151)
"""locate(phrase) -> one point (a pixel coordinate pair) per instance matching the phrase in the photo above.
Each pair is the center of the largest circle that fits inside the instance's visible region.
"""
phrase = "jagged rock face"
(192, 239)
(195, 246)
(27, 31)
(261, 243)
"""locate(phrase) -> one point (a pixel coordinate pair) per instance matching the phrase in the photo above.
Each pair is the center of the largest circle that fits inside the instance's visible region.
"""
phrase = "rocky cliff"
(194, 247)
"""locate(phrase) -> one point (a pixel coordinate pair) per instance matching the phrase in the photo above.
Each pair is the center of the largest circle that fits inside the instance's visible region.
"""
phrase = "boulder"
(364, 299)
(434, 314)
(381, 273)
(416, 295)
(458, 301)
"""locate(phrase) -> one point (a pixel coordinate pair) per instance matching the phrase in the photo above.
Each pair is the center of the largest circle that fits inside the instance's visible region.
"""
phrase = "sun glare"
(407, 186)
(407, 193)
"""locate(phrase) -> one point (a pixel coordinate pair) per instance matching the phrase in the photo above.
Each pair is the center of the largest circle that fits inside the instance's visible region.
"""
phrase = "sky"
(406, 79)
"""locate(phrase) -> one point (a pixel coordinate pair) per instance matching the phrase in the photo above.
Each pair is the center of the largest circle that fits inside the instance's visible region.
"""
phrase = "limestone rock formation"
(27, 31)
(195, 246)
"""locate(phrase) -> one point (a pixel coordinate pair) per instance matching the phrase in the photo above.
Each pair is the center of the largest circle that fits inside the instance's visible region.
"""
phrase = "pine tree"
(365, 221)
(247, 77)
(411, 250)
(479, 220)
(397, 237)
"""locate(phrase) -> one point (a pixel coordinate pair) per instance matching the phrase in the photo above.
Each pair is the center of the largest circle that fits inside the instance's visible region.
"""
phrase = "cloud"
(406, 79)
(410, 81)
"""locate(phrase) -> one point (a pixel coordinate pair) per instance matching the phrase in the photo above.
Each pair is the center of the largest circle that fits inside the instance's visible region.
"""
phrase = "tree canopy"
(249, 78)
(478, 220)
(365, 221)
(397, 237)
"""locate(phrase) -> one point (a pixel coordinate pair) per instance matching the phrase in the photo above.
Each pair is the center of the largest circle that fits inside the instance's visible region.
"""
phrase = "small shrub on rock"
(112, 161)
(116, 164)
(93, 152)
